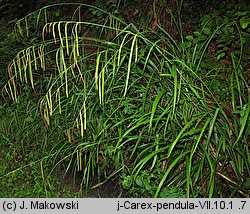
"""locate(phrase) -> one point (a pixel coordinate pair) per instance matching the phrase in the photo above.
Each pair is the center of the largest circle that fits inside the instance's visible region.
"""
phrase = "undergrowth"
(24, 170)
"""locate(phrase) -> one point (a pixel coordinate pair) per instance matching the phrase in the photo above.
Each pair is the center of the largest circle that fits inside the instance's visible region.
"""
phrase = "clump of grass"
(129, 104)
